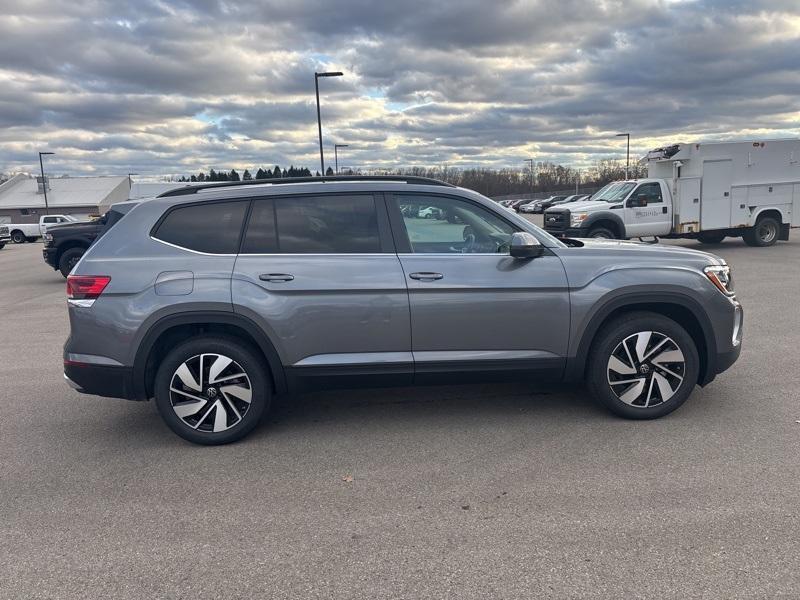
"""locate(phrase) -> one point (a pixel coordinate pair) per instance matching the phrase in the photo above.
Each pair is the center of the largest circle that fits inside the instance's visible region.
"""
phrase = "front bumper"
(572, 232)
(49, 255)
(100, 380)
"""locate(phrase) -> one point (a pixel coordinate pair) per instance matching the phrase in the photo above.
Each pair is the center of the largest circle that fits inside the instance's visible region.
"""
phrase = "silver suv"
(214, 298)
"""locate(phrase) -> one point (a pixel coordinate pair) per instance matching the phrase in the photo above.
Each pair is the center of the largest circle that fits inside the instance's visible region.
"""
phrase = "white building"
(22, 196)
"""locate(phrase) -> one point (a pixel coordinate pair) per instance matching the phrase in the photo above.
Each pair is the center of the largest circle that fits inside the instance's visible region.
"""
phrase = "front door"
(320, 275)
(654, 218)
(474, 307)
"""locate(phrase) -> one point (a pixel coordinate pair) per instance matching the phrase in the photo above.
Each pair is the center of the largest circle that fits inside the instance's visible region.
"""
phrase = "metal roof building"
(22, 196)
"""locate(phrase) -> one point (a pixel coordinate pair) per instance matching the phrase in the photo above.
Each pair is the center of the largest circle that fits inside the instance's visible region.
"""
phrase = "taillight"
(86, 287)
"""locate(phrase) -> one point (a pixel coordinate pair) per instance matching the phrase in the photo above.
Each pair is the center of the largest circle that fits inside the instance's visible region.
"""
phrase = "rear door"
(474, 308)
(715, 211)
(319, 273)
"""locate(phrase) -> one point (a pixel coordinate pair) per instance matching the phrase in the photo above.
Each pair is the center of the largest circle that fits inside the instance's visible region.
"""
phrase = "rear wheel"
(212, 390)
(711, 237)
(18, 237)
(765, 232)
(69, 259)
(602, 233)
(642, 366)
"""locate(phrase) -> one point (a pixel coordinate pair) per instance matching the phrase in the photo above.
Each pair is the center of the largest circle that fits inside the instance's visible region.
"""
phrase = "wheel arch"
(605, 219)
(69, 245)
(684, 310)
(770, 211)
(171, 329)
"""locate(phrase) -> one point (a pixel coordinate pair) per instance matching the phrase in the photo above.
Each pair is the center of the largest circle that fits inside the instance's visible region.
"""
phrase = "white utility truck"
(707, 191)
(29, 232)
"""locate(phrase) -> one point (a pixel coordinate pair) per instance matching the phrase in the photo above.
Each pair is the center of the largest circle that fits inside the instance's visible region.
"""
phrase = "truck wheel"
(18, 237)
(765, 232)
(642, 366)
(711, 237)
(212, 390)
(2, 245)
(30, 239)
(602, 233)
(69, 259)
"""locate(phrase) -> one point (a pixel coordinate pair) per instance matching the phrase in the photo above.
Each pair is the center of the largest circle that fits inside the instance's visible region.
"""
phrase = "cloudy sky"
(170, 87)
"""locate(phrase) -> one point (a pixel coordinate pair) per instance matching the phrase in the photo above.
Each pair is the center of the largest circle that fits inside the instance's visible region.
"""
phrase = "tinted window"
(326, 225)
(260, 237)
(436, 224)
(209, 227)
(651, 190)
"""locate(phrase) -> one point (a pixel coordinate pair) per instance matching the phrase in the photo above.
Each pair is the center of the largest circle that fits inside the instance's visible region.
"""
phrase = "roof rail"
(193, 189)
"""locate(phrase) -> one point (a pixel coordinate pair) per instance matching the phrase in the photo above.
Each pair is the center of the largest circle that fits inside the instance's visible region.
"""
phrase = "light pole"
(319, 118)
(530, 161)
(627, 152)
(130, 182)
(44, 183)
(336, 154)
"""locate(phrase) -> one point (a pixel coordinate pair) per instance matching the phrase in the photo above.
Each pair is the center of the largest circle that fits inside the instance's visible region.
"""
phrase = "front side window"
(213, 228)
(313, 225)
(651, 191)
(437, 224)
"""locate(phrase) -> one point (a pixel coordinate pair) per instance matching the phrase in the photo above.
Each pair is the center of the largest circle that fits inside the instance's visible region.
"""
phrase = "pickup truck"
(5, 237)
(29, 232)
(65, 244)
(700, 191)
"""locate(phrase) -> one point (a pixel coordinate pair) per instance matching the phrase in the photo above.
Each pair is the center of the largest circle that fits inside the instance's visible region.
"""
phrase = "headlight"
(576, 219)
(48, 237)
(721, 277)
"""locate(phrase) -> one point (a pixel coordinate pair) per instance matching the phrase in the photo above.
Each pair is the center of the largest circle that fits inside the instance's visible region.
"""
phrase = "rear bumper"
(49, 255)
(100, 380)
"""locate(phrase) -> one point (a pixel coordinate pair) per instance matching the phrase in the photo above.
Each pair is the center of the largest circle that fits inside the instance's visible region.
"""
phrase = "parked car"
(543, 205)
(215, 298)
(64, 245)
(30, 232)
(430, 212)
(706, 192)
(570, 199)
(528, 207)
(5, 236)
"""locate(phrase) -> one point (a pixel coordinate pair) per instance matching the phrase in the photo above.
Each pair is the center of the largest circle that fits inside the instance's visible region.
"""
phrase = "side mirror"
(525, 245)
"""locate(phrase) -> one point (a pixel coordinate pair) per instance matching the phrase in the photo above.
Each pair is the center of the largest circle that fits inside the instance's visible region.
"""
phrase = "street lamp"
(319, 118)
(530, 161)
(44, 183)
(627, 153)
(130, 183)
(336, 154)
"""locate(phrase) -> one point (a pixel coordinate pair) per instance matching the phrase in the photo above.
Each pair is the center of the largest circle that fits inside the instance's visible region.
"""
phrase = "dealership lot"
(463, 491)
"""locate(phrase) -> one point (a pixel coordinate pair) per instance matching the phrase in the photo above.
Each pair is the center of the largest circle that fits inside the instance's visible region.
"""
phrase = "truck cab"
(622, 209)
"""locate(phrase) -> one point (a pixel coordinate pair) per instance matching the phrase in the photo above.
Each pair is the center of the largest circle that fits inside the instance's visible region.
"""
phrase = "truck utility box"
(722, 185)
(706, 191)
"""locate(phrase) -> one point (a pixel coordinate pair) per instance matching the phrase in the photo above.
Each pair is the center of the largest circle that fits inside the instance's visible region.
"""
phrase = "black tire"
(31, 239)
(765, 232)
(610, 339)
(711, 237)
(18, 237)
(244, 357)
(2, 245)
(602, 233)
(69, 259)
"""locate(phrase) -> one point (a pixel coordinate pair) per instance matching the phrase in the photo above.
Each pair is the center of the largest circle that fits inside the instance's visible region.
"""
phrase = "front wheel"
(602, 233)
(765, 233)
(2, 245)
(69, 259)
(18, 237)
(642, 366)
(212, 390)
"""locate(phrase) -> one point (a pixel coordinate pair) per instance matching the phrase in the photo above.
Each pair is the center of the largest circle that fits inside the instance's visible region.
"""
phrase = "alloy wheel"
(646, 369)
(210, 392)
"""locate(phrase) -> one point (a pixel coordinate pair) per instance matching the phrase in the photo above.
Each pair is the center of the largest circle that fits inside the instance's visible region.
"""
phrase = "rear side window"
(313, 225)
(213, 228)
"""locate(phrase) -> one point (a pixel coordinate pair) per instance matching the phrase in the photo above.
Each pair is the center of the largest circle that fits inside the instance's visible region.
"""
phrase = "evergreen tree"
(194, 178)
(246, 176)
(328, 171)
(233, 176)
(277, 172)
(212, 175)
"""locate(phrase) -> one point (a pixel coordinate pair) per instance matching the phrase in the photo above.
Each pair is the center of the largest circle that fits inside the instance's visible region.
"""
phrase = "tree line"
(546, 176)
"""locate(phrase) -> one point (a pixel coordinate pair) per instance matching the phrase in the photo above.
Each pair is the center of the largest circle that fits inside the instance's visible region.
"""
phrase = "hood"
(646, 250)
(584, 205)
(71, 228)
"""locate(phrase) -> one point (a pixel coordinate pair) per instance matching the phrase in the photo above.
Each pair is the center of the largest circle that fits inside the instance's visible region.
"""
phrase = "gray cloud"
(171, 87)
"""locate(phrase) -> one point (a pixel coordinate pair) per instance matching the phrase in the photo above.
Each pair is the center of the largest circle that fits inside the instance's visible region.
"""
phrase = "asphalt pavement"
(490, 491)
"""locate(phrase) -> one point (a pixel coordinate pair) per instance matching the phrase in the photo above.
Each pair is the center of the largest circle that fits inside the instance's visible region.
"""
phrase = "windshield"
(614, 192)
(71, 218)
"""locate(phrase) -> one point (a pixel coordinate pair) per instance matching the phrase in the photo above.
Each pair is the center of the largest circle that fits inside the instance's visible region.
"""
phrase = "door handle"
(276, 277)
(664, 209)
(426, 276)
